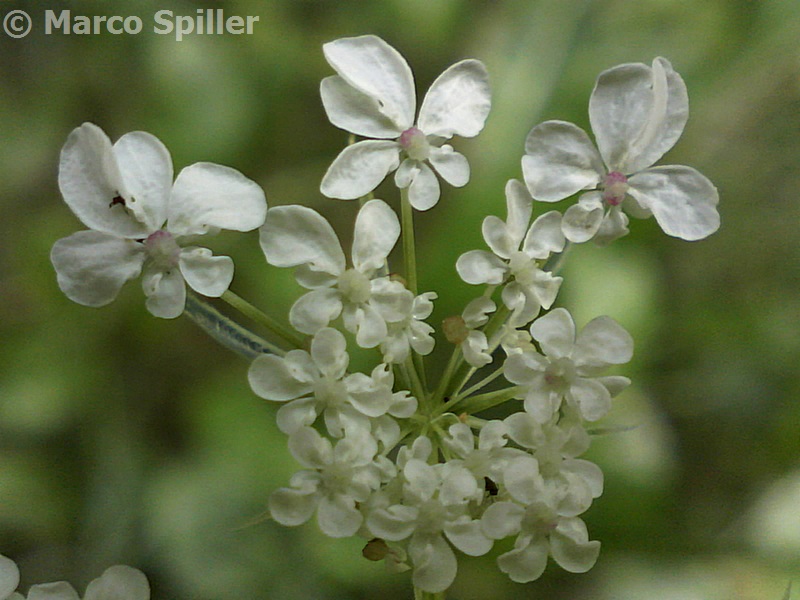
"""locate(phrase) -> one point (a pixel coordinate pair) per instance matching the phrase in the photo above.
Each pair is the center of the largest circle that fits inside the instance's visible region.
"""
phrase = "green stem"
(409, 248)
(475, 404)
(250, 311)
(225, 330)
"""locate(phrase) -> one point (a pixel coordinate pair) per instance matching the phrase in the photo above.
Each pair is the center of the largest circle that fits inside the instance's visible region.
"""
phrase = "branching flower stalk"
(397, 456)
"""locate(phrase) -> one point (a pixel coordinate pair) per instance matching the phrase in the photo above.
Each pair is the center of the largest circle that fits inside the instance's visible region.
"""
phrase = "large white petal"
(89, 179)
(502, 519)
(526, 563)
(591, 398)
(292, 507)
(451, 165)
(165, 291)
(329, 352)
(683, 201)
(478, 266)
(545, 236)
(423, 193)
(314, 310)
(58, 590)
(637, 114)
(9, 576)
(208, 196)
(466, 535)
(375, 68)
(434, 563)
(338, 517)
(360, 168)
(582, 220)
(602, 342)
(206, 274)
(296, 414)
(571, 548)
(282, 378)
(555, 332)
(91, 267)
(519, 206)
(355, 111)
(458, 101)
(119, 582)
(559, 161)
(377, 230)
(296, 235)
(146, 168)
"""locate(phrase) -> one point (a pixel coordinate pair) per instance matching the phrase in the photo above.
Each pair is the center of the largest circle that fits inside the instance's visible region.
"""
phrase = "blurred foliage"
(124, 438)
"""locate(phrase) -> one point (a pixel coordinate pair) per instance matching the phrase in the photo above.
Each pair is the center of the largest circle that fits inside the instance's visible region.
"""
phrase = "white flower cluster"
(409, 467)
(118, 582)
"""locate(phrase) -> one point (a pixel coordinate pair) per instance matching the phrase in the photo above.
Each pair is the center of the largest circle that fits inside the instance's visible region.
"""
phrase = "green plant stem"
(250, 311)
(409, 248)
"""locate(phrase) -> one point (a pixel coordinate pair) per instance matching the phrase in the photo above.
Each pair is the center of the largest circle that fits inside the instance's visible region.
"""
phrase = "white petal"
(458, 101)
(555, 332)
(591, 397)
(502, 519)
(525, 430)
(91, 267)
(360, 168)
(683, 201)
(206, 274)
(9, 576)
(89, 179)
(207, 196)
(296, 235)
(467, 536)
(571, 548)
(602, 342)
(376, 232)
(545, 236)
(451, 165)
(337, 516)
(434, 563)
(559, 161)
(292, 507)
(423, 193)
(478, 266)
(637, 114)
(59, 590)
(296, 414)
(282, 378)
(476, 313)
(475, 349)
(314, 310)
(375, 68)
(525, 564)
(329, 352)
(369, 326)
(523, 481)
(119, 582)
(519, 206)
(166, 293)
(310, 448)
(354, 111)
(146, 168)
(588, 471)
(461, 440)
(582, 220)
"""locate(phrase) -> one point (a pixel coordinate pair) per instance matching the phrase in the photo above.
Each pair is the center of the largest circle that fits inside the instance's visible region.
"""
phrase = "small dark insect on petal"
(117, 200)
(491, 487)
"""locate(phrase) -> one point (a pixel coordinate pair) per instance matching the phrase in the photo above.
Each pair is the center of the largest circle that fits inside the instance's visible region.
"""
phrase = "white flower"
(317, 382)
(463, 331)
(296, 236)
(373, 96)
(570, 365)
(637, 114)
(410, 333)
(518, 251)
(118, 583)
(543, 528)
(435, 507)
(491, 456)
(125, 194)
(338, 477)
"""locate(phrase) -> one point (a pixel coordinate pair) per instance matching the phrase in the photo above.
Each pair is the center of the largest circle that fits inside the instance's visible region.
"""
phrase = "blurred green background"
(129, 439)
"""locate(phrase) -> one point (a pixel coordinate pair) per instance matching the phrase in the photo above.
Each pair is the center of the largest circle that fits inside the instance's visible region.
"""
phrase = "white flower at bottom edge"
(338, 477)
(537, 518)
(571, 365)
(373, 95)
(435, 507)
(637, 114)
(139, 220)
(119, 582)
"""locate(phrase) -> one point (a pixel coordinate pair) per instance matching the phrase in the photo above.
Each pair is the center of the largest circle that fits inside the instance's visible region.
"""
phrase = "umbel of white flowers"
(411, 467)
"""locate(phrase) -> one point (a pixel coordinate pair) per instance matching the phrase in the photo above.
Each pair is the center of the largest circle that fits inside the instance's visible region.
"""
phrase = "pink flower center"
(614, 188)
(415, 144)
(162, 249)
